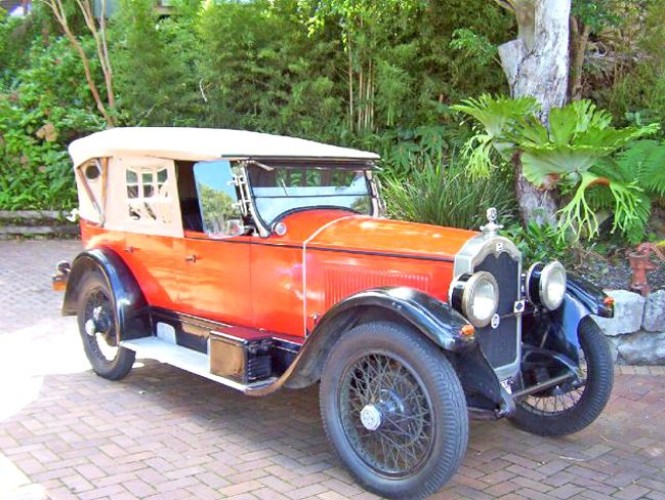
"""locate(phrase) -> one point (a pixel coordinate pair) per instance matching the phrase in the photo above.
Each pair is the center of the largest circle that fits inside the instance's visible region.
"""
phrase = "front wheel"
(567, 408)
(394, 410)
(97, 324)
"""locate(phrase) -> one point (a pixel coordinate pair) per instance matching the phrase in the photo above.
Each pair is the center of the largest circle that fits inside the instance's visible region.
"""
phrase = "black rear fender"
(133, 318)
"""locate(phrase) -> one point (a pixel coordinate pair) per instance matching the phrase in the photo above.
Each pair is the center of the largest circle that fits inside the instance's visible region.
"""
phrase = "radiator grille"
(342, 281)
(500, 345)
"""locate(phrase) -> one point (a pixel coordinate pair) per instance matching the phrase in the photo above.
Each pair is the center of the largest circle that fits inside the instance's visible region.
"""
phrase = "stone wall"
(637, 331)
(36, 223)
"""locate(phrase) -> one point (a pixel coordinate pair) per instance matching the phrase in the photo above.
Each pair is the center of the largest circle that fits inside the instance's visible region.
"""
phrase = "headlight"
(476, 296)
(546, 284)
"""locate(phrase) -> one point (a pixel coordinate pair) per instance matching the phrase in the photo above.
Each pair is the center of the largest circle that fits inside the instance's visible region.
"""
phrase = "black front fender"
(435, 319)
(560, 327)
(589, 295)
(428, 315)
(133, 318)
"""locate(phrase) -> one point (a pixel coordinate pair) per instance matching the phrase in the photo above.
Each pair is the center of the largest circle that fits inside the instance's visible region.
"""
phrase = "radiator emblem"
(496, 320)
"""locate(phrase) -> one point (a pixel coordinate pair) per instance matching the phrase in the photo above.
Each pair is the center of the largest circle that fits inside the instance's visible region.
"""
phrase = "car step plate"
(185, 359)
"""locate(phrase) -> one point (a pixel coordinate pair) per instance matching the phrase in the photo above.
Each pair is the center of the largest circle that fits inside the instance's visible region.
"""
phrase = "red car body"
(264, 262)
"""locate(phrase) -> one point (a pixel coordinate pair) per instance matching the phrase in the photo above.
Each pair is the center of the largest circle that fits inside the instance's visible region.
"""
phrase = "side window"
(148, 197)
(218, 201)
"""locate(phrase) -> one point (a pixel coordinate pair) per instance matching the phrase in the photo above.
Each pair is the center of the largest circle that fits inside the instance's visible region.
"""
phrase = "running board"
(186, 359)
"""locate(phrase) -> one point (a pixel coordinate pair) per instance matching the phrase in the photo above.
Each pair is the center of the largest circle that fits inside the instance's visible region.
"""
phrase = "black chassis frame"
(550, 335)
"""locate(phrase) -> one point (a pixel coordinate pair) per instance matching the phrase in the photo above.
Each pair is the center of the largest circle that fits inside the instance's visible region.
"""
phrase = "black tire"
(565, 410)
(96, 309)
(405, 383)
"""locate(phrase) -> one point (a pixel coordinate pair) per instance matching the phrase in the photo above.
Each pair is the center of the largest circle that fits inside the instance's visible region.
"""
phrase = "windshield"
(282, 189)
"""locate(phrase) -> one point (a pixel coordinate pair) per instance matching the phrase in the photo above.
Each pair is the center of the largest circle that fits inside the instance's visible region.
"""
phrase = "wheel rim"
(386, 414)
(560, 398)
(99, 326)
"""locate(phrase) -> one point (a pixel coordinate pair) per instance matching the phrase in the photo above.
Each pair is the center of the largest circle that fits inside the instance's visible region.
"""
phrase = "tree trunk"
(579, 38)
(536, 64)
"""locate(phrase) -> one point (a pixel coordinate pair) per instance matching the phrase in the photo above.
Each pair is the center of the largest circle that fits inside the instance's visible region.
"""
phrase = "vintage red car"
(263, 262)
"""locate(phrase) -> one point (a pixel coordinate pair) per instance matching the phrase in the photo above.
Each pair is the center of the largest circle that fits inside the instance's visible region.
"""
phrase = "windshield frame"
(264, 227)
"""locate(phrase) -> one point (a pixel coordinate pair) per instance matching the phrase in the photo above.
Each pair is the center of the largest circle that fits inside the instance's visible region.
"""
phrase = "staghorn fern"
(497, 116)
(575, 153)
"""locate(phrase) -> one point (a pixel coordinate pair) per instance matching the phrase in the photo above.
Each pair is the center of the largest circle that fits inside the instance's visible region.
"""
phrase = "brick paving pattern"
(163, 433)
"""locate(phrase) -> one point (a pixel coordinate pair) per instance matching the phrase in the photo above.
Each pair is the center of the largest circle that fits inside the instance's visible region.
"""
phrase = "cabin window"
(148, 195)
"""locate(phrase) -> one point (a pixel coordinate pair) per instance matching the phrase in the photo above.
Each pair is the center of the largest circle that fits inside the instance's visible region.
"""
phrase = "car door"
(216, 278)
(152, 226)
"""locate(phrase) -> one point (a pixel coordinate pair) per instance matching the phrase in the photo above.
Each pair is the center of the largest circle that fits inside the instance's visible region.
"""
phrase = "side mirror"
(218, 200)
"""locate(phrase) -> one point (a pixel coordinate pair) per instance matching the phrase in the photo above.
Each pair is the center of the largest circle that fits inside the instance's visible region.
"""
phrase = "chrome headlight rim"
(464, 291)
(538, 281)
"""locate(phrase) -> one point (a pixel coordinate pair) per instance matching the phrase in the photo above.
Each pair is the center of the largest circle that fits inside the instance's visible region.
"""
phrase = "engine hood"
(385, 236)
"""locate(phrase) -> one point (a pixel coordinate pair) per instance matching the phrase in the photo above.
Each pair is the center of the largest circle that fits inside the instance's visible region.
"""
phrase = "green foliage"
(568, 154)
(154, 64)
(640, 167)
(579, 135)
(279, 66)
(403, 149)
(47, 106)
(496, 116)
(539, 243)
(262, 72)
(448, 196)
(628, 79)
(597, 14)
(643, 161)
(475, 46)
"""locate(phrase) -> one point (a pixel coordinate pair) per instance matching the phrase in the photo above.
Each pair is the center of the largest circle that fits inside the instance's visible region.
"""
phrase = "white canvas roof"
(203, 144)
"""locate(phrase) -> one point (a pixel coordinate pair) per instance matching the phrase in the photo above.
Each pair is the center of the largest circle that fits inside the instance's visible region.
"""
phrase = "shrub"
(448, 196)
(47, 106)
(540, 243)
(155, 64)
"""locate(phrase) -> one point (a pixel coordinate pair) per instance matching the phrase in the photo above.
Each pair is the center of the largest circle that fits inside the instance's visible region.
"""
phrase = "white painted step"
(185, 359)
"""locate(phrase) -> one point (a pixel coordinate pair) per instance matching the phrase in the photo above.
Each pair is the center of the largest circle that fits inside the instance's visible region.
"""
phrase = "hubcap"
(99, 326)
(370, 417)
(90, 327)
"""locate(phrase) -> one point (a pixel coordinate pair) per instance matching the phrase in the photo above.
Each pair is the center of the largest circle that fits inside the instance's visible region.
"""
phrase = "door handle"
(191, 258)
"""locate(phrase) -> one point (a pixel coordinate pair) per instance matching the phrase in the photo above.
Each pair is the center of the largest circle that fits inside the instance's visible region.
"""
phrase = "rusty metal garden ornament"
(641, 263)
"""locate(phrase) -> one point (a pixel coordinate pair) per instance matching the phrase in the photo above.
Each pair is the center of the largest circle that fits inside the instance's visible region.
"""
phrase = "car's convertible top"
(204, 144)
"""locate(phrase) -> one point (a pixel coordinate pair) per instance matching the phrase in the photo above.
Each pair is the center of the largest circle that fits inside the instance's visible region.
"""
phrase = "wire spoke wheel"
(394, 410)
(386, 414)
(560, 398)
(575, 403)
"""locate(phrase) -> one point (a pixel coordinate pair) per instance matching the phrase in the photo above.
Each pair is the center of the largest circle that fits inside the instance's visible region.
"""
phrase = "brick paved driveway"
(162, 433)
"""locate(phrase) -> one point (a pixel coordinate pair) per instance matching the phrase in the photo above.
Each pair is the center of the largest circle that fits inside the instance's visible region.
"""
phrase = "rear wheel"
(569, 408)
(394, 410)
(97, 325)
